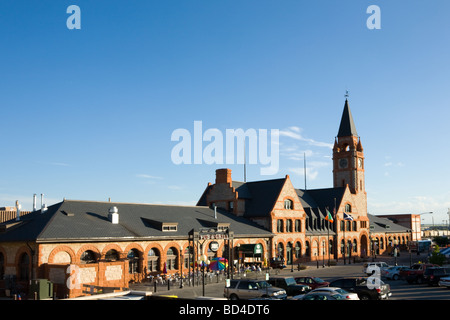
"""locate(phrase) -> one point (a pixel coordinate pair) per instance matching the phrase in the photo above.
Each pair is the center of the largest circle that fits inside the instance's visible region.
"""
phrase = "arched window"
(308, 249)
(280, 250)
(298, 225)
(288, 225)
(288, 204)
(153, 260)
(280, 227)
(172, 259)
(88, 257)
(355, 246)
(133, 261)
(112, 255)
(24, 267)
(188, 256)
(298, 250)
(348, 207)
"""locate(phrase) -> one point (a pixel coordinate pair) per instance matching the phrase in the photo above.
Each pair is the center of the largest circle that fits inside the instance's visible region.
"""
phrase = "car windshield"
(341, 291)
(291, 282)
(263, 284)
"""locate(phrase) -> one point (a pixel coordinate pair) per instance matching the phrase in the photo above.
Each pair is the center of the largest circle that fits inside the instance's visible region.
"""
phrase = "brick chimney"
(223, 176)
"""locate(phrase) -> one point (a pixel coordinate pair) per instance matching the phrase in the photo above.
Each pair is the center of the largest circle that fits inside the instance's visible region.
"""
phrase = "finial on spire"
(346, 94)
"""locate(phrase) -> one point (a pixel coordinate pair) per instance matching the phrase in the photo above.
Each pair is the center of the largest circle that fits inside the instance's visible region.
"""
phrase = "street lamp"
(432, 218)
(203, 262)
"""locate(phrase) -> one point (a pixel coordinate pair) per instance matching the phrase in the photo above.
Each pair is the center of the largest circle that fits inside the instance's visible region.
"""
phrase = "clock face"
(343, 163)
(360, 162)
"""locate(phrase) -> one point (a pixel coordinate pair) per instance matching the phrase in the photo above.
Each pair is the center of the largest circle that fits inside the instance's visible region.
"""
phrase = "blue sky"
(88, 114)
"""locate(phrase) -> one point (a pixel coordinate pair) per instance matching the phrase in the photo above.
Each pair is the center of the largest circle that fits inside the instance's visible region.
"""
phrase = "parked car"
(313, 282)
(431, 276)
(364, 289)
(393, 272)
(370, 267)
(247, 289)
(347, 295)
(415, 273)
(444, 282)
(320, 296)
(289, 284)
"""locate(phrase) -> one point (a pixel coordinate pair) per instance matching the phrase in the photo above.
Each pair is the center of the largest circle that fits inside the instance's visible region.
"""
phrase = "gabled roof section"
(321, 198)
(347, 127)
(261, 196)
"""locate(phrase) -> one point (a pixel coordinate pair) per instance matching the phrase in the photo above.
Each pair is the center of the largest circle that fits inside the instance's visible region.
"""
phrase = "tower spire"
(347, 127)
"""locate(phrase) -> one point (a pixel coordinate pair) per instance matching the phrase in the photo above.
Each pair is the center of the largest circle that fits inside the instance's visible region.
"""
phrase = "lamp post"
(203, 262)
(432, 218)
(181, 265)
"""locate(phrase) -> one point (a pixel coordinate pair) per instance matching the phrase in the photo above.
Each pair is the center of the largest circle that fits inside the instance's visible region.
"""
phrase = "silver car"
(250, 289)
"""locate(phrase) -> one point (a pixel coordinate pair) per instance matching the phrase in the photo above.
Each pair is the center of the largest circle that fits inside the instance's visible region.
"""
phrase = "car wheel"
(395, 277)
(364, 297)
(234, 297)
(419, 280)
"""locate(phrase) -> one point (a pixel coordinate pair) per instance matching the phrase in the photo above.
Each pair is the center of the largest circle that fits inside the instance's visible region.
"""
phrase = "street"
(400, 289)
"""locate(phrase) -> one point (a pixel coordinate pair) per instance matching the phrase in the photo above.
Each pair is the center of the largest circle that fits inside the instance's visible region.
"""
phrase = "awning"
(251, 248)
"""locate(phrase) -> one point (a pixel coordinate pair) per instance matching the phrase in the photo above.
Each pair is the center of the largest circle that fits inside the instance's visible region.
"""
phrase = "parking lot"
(400, 289)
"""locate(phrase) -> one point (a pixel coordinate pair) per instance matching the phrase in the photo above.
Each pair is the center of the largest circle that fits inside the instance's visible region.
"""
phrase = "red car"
(313, 282)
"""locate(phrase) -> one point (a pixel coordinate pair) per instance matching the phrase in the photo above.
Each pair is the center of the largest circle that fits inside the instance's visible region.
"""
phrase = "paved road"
(400, 289)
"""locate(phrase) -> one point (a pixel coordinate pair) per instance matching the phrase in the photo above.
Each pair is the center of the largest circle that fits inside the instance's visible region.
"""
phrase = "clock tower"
(348, 155)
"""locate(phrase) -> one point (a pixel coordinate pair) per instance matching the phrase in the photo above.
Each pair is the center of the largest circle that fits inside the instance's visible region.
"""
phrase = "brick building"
(83, 244)
(298, 218)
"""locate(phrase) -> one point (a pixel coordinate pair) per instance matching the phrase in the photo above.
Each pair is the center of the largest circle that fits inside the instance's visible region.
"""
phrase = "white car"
(444, 282)
(334, 290)
(393, 272)
(370, 267)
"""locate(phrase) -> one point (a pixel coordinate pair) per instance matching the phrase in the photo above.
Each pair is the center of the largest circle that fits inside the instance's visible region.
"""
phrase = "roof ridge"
(133, 203)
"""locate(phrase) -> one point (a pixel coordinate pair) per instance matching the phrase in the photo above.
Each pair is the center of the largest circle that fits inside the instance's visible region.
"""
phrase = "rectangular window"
(169, 228)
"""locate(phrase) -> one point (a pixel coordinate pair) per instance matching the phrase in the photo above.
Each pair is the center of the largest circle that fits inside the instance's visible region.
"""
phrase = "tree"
(437, 257)
(441, 241)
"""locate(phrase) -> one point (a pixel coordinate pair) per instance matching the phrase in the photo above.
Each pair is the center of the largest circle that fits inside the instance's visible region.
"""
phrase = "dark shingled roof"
(88, 221)
(321, 198)
(259, 196)
(316, 202)
(378, 224)
(347, 127)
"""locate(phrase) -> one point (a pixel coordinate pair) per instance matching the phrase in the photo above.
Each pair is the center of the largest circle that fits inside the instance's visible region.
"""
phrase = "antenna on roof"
(245, 166)
(304, 166)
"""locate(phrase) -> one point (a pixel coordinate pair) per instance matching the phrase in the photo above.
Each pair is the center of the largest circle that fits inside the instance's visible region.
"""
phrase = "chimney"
(43, 206)
(223, 176)
(18, 207)
(113, 215)
(34, 202)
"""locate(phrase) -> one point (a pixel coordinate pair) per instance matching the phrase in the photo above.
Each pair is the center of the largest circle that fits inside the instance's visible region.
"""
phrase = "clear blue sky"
(88, 114)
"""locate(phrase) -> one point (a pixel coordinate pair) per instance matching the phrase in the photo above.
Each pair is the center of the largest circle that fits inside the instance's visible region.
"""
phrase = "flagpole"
(328, 240)
(343, 217)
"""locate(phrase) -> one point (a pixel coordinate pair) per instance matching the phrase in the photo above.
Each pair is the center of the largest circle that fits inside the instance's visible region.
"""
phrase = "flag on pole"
(329, 217)
(348, 217)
